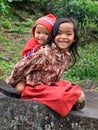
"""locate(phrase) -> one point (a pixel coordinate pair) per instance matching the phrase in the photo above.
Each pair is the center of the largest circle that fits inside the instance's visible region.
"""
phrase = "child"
(41, 32)
(42, 72)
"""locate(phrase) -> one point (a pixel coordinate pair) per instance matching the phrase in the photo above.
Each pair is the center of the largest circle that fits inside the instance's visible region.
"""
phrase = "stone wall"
(17, 114)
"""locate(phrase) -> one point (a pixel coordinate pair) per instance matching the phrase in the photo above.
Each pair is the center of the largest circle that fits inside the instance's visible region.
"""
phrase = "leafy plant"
(82, 11)
(6, 24)
(4, 7)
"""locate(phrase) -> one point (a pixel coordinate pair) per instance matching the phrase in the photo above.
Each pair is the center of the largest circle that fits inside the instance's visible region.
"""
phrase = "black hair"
(73, 49)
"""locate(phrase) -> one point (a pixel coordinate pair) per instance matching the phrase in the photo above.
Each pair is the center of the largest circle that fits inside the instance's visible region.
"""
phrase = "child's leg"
(19, 87)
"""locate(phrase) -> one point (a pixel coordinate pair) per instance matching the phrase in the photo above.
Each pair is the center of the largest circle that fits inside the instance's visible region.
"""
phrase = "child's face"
(65, 36)
(41, 34)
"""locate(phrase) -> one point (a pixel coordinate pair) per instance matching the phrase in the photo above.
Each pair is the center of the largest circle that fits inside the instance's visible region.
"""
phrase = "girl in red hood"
(41, 32)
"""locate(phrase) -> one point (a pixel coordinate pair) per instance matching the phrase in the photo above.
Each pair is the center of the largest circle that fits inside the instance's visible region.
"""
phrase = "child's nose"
(64, 36)
(42, 35)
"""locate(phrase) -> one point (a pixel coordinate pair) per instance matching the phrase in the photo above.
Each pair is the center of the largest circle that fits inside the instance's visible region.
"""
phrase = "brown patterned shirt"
(43, 67)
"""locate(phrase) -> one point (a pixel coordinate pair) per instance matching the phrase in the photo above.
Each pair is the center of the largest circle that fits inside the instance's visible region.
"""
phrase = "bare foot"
(81, 98)
(79, 106)
(80, 103)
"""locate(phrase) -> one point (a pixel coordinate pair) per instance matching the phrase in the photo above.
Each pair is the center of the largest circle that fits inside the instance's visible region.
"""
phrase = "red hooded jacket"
(31, 46)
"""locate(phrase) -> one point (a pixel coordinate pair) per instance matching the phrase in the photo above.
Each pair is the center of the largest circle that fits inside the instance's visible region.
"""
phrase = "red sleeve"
(29, 46)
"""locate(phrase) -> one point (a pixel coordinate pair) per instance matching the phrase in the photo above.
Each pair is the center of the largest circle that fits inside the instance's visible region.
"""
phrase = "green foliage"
(16, 26)
(87, 67)
(79, 9)
(22, 27)
(89, 34)
(83, 11)
(19, 30)
(29, 23)
(4, 7)
(6, 24)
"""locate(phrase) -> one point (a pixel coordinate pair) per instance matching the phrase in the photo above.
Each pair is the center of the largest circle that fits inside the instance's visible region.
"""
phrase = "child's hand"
(7, 80)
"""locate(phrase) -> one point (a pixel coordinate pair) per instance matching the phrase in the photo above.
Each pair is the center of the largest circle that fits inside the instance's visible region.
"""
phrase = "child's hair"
(73, 49)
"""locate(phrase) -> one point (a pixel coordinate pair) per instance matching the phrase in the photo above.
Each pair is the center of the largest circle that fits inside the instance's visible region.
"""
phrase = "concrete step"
(17, 114)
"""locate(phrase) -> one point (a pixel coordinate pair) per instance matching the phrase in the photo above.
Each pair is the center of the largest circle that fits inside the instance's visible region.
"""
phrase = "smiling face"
(41, 34)
(65, 36)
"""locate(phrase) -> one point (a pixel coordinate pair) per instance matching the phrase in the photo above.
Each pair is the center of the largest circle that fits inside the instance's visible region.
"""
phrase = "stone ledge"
(17, 114)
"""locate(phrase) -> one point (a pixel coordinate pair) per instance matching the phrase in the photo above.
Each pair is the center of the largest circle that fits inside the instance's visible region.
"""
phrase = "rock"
(18, 114)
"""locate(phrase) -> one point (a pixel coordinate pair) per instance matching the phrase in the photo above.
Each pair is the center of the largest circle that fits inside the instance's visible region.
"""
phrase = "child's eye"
(38, 32)
(47, 33)
(69, 34)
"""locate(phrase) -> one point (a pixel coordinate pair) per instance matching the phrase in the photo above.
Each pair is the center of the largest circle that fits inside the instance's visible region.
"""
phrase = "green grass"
(10, 53)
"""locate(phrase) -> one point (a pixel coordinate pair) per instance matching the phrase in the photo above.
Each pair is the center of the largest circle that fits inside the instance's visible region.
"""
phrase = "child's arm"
(28, 47)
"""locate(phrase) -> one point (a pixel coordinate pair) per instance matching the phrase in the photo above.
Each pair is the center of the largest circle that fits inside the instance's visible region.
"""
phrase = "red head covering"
(47, 21)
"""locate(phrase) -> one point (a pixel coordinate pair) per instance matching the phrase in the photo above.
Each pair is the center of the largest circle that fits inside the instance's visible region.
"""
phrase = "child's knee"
(19, 87)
